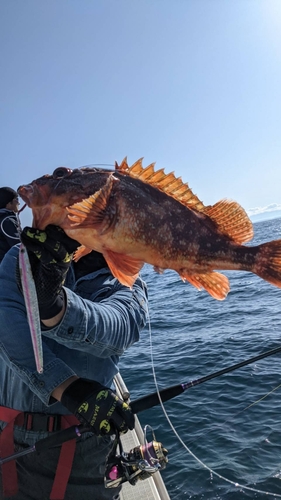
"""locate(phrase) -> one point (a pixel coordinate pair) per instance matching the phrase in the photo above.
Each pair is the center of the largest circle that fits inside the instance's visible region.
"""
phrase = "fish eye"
(61, 172)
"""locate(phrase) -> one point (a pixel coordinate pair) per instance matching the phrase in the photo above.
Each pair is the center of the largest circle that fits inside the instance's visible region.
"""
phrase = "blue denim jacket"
(102, 319)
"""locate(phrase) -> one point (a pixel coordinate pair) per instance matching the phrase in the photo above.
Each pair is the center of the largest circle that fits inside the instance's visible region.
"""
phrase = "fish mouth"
(26, 193)
(43, 210)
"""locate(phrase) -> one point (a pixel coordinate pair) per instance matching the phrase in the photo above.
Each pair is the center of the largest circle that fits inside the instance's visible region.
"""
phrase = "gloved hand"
(50, 254)
(96, 405)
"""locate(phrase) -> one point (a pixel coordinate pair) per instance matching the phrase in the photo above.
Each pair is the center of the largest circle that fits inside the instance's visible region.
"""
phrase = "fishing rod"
(146, 402)
(143, 460)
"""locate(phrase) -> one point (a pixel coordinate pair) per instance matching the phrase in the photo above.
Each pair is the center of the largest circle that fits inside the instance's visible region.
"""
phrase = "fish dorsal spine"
(168, 183)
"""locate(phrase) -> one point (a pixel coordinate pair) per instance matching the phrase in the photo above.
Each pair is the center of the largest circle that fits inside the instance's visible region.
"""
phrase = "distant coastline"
(275, 214)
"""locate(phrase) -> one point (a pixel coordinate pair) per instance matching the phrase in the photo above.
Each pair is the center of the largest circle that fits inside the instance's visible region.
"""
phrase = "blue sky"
(193, 85)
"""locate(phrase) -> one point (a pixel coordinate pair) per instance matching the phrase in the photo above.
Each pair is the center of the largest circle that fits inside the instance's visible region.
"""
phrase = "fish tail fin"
(268, 262)
(216, 284)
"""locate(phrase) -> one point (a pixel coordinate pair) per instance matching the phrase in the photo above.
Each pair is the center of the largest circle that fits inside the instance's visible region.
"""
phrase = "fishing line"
(261, 399)
(212, 472)
(98, 165)
(216, 426)
(22, 208)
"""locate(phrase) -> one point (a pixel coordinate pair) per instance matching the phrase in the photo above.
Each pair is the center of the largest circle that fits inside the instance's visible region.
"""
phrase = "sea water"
(224, 435)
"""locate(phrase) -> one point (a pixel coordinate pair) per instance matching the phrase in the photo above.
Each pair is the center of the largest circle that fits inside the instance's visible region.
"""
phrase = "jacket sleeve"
(106, 327)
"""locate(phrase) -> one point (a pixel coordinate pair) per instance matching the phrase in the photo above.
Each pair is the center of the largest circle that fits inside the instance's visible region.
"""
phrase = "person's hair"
(7, 194)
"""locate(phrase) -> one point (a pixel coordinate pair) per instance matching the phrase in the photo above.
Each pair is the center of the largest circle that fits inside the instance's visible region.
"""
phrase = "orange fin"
(232, 220)
(126, 269)
(92, 210)
(168, 183)
(216, 284)
(81, 252)
(268, 262)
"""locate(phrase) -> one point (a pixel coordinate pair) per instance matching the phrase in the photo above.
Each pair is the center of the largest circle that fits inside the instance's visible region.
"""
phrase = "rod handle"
(59, 437)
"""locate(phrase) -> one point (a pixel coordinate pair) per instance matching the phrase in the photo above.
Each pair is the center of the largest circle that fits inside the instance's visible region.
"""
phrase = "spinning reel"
(139, 463)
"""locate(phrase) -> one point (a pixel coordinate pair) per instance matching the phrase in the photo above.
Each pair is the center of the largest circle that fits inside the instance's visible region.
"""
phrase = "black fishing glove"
(50, 254)
(98, 407)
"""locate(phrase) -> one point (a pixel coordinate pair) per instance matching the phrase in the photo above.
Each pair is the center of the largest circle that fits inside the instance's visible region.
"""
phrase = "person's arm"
(105, 328)
(59, 390)
(52, 322)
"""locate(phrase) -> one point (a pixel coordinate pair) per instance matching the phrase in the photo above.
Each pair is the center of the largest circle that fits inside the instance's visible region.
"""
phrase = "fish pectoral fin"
(126, 269)
(216, 284)
(92, 211)
(232, 220)
(81, 252)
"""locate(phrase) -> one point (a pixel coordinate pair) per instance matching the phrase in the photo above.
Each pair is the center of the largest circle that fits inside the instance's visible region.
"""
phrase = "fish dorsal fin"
(232, 220)
(230, 217)
(168, 183)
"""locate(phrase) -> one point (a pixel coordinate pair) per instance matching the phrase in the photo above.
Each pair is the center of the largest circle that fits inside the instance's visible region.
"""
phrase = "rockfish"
(135, 215)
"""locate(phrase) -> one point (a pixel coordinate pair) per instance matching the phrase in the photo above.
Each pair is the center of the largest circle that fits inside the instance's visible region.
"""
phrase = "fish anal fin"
(81, 252)
(216, 284)
(126, 269)
(167, 183)
(91, 211)
(232, 220)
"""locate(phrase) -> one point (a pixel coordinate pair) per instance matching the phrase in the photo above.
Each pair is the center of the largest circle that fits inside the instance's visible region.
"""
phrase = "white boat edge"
(149, 489)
